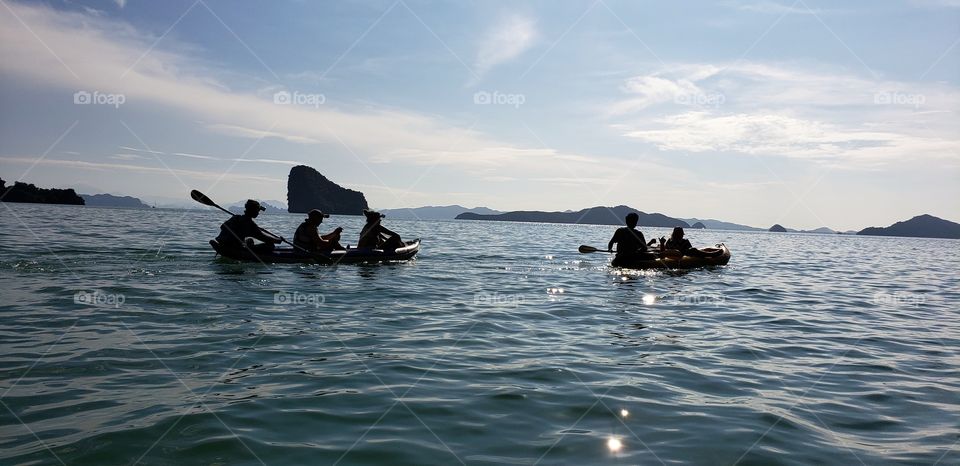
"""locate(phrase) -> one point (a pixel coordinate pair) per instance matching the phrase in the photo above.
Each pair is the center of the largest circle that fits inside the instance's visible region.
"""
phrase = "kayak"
(654, 261)
(348, 256)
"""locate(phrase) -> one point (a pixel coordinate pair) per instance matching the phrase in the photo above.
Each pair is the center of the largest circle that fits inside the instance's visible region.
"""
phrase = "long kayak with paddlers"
(337, 256)
(238, 235)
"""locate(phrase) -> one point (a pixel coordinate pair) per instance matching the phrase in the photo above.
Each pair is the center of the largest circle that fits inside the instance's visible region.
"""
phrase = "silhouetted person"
(376, 236)
(308, 238)
(679, 243)
(240, 231)
(630, 241)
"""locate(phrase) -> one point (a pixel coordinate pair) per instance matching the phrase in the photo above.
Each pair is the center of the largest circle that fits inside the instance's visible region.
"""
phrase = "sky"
(802, 113)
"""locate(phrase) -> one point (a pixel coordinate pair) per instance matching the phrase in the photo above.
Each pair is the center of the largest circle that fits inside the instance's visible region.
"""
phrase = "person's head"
(677, 233)
(252, 208)
(316, 217)
(372, 216)
(632, 219)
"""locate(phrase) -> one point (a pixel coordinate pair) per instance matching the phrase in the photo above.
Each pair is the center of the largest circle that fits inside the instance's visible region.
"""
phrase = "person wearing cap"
(235, 232)
(308, 239)
(374, 235)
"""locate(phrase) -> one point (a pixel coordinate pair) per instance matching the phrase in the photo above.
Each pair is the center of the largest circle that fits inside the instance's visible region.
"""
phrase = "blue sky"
(802, 113)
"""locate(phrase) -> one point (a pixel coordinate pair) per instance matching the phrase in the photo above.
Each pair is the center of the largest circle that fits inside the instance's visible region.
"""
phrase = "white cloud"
(772, 134)
(764, 109)
(511, 37)
(121, 3)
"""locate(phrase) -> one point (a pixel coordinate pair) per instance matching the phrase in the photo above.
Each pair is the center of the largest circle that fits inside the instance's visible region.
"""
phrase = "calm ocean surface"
(499, 344)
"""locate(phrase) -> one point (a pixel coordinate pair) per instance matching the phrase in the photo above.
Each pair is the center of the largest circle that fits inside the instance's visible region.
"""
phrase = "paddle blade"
(202, 198)
(587, 249)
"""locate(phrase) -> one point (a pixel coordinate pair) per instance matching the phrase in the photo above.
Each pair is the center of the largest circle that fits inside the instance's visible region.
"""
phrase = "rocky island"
(308, 189)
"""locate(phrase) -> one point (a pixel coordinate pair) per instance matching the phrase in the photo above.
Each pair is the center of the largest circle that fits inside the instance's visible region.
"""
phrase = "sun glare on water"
(614, 444)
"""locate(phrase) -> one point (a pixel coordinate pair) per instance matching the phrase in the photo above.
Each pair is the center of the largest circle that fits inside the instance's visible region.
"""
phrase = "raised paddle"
(203, 199)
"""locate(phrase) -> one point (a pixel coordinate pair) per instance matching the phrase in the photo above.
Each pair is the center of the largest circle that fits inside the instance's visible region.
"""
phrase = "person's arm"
(333, 235)
(263, 236)
(386, 232)
(612, 240)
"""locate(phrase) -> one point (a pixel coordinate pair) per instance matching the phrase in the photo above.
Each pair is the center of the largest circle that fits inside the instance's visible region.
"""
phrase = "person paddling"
(374, 235)
(240, 230)
(308, 239)
(678, 243)
(630, 241)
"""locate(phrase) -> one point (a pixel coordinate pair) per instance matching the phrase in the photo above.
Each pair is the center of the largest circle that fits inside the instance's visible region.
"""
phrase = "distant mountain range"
(445, 212)
(594, 216)
(109, 200)
(924, 226)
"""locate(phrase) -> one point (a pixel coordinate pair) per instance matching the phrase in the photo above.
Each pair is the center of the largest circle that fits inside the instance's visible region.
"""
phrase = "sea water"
(123, 341)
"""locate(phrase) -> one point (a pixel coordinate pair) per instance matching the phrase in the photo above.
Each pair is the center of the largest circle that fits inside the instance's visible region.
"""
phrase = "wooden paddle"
(205, 200)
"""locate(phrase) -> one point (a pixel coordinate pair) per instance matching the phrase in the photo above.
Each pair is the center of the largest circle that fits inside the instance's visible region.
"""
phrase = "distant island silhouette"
(446, 212)
(924, 226)
(26, 192)
(307, 189)
(593, 216)
(777, 228)
(109, 200)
